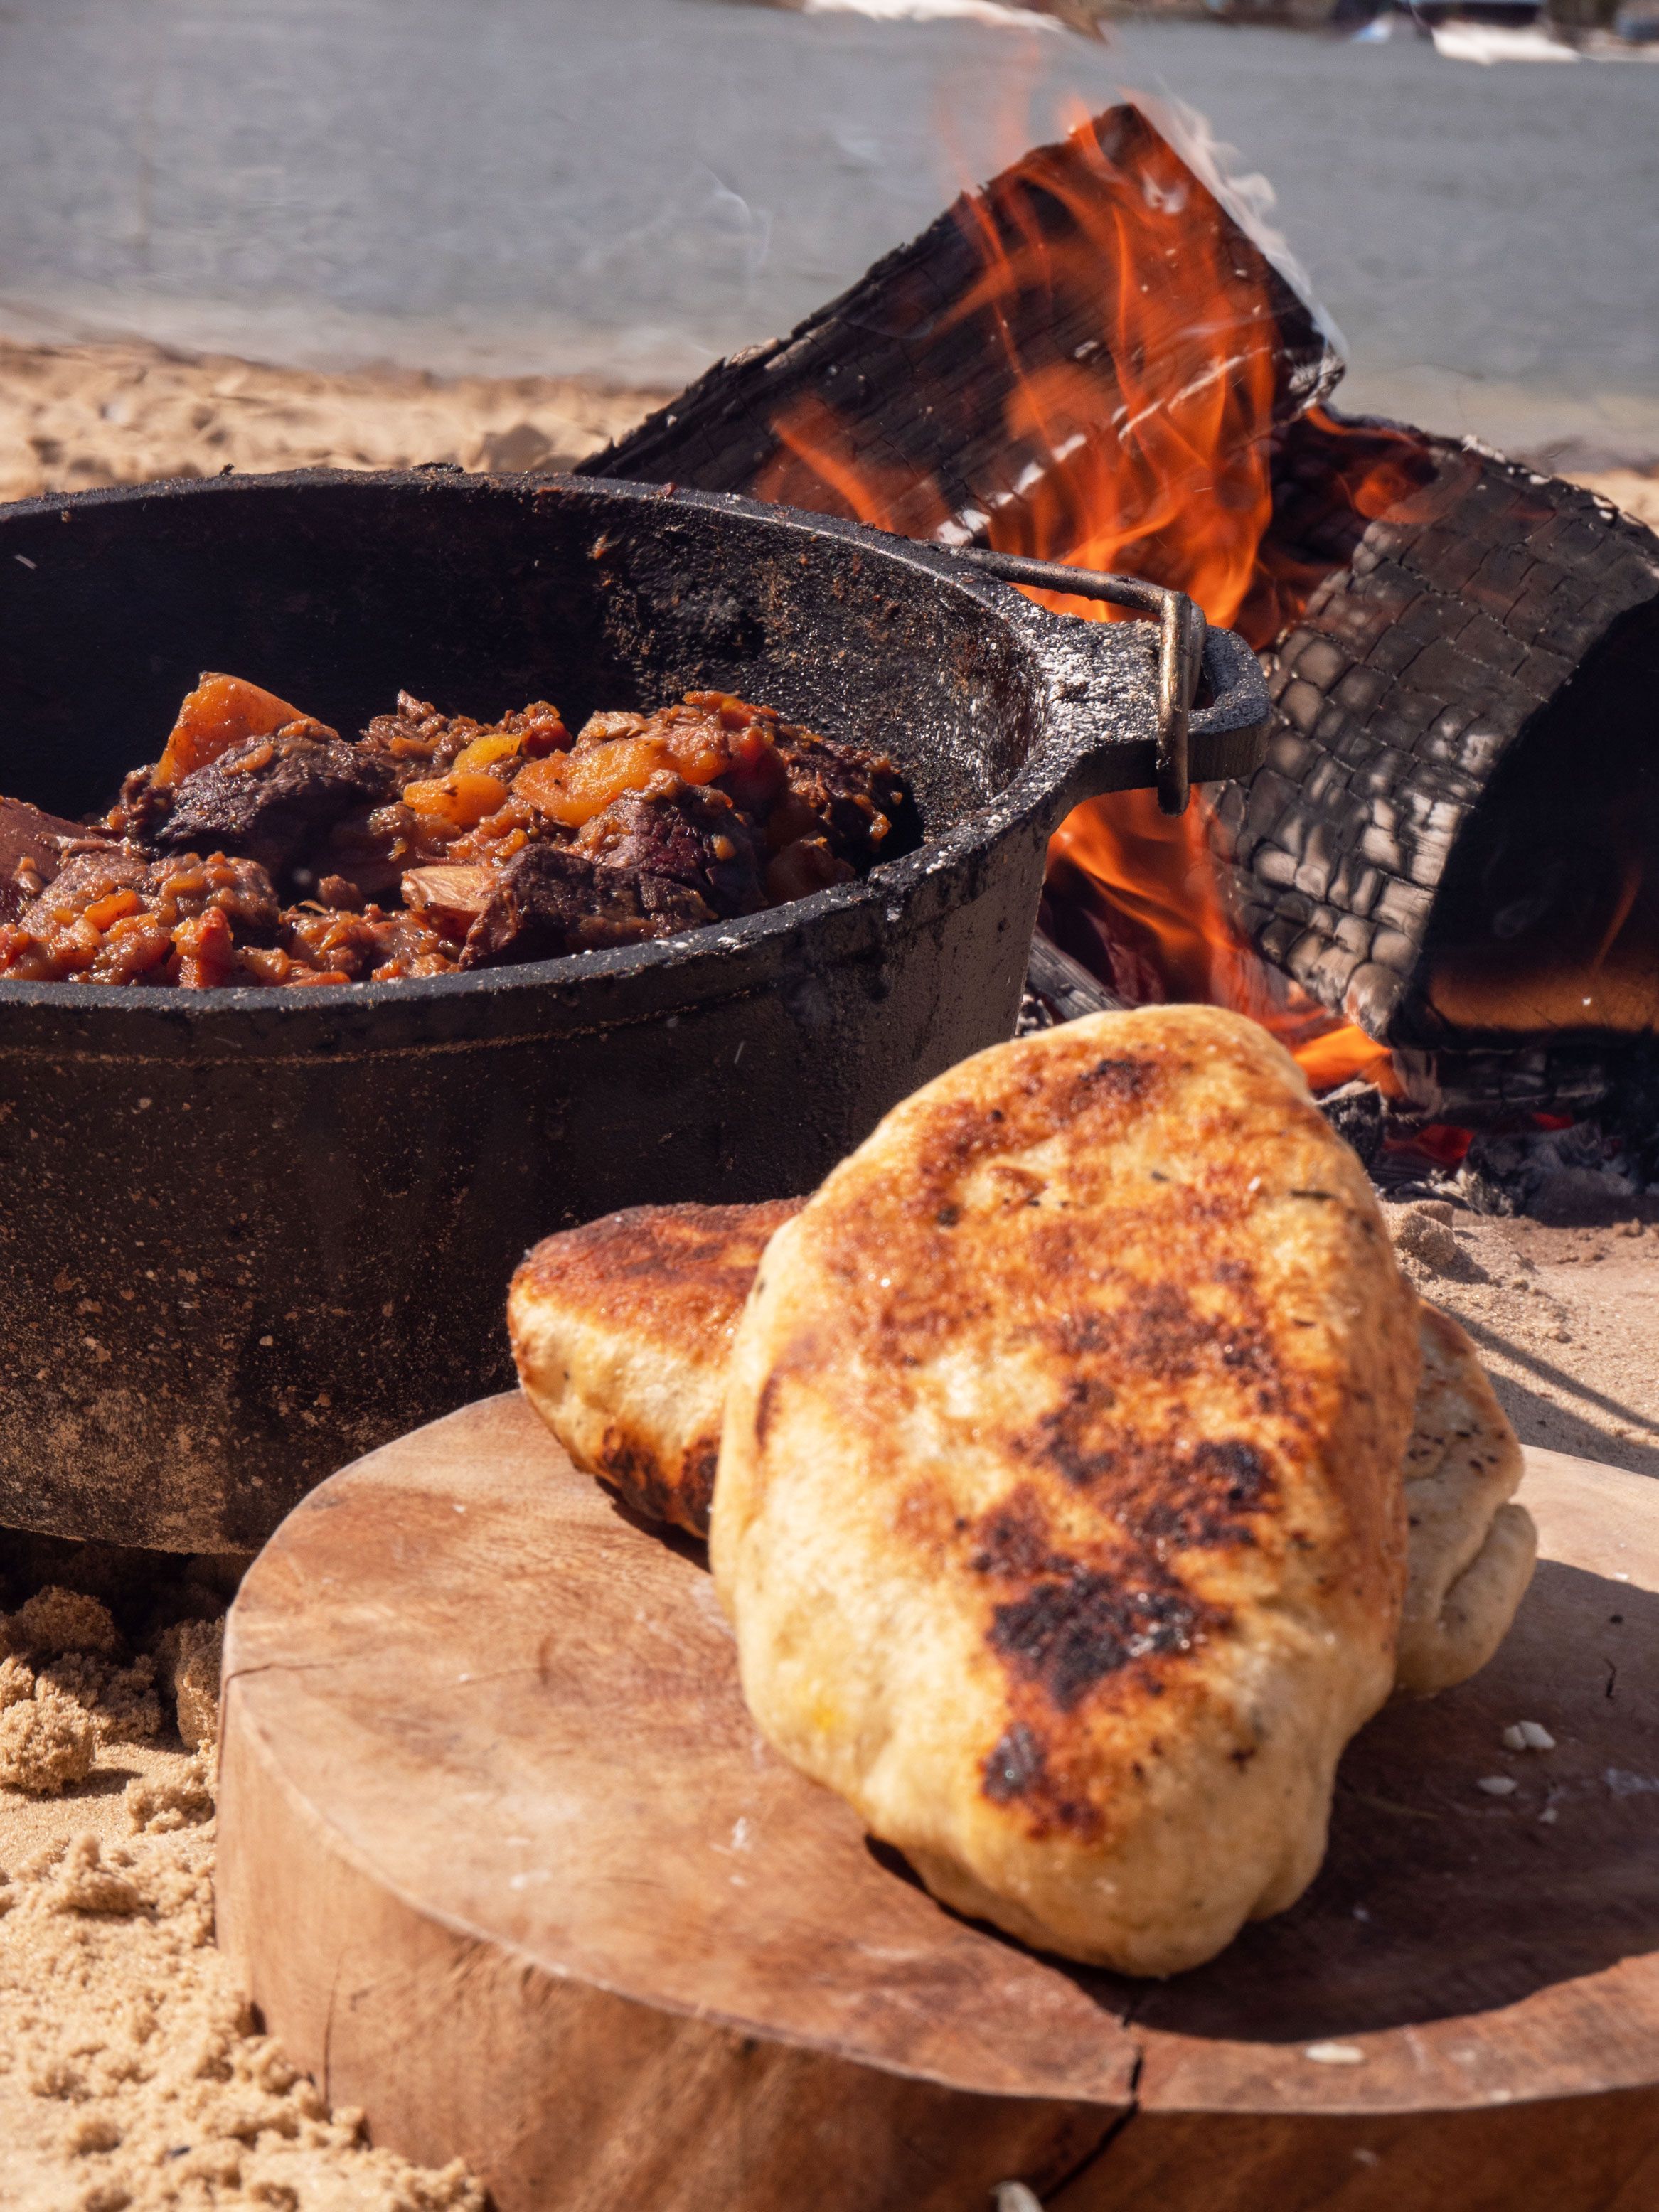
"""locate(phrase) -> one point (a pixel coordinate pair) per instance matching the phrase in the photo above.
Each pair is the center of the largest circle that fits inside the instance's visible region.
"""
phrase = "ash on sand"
(132, 2073)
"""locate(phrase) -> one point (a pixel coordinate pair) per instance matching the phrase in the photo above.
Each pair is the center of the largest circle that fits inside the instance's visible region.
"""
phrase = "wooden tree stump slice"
(505, 1862)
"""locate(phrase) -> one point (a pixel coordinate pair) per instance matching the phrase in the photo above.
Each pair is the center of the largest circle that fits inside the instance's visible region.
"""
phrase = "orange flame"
(1145, 448)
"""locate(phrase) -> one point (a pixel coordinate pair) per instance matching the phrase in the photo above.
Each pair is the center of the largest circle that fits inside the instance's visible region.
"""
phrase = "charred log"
(1455, 841)
(1454, 837)
(933, 395)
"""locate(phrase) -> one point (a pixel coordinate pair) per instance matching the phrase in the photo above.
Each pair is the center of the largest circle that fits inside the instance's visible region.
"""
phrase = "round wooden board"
(505, 1862)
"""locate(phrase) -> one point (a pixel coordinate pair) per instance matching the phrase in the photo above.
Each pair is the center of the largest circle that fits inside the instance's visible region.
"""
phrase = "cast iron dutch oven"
(248, 1236)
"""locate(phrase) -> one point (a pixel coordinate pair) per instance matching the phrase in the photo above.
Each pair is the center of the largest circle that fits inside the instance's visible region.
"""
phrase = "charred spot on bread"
(1070, 1633)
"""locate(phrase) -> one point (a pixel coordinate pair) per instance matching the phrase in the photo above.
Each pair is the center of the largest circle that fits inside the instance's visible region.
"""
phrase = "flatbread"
(622, 1333)
(1059, 1511)
(652, 1427)
(1472, 1551)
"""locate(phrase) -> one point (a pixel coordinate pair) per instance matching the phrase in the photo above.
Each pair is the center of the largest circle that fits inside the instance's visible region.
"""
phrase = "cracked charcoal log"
(1454, 838)
(1065, 985)
(909, 375)
(1355, 1111)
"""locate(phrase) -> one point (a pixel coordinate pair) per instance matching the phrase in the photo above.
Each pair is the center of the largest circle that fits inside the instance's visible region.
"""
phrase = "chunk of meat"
(31, 853)
(550, 900)
(694, 836)
(853, 799)
(84, 880)
(223, 711)
(269, 798)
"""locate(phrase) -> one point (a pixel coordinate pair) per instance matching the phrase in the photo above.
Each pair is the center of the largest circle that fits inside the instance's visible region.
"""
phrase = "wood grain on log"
(505, 1862)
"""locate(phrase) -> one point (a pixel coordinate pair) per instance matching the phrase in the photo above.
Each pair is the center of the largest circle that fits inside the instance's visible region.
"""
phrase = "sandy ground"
(1566, 1321)
(134, 2076)
(73, 417)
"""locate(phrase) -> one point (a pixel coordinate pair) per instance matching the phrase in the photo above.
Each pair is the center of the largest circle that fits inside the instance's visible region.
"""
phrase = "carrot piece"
(220, 713)
(573, 787)
(461, 798)
(483, 752)
(111, 908)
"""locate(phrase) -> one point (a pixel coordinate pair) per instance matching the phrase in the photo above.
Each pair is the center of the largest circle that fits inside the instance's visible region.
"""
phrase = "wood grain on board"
(504, 1861)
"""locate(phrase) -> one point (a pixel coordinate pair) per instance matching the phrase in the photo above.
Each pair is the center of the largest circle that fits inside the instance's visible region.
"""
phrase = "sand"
(75, 417)
(1566, 1321)
(132, 2071)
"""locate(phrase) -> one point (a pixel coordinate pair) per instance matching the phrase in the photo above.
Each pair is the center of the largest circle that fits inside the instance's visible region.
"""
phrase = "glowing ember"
(1147, 447)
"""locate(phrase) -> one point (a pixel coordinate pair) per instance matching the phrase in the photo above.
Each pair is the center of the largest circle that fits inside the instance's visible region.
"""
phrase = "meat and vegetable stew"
(264, 849)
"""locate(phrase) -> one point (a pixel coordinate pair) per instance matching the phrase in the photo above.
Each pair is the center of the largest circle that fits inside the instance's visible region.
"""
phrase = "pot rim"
(1037, 782)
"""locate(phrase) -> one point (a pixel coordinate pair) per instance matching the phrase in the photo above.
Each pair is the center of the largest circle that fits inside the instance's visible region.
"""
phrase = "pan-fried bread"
(1059, 1510)
(1471, 1552)
(622, 1332)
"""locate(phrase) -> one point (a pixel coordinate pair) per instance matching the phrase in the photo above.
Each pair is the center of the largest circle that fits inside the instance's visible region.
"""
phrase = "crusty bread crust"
(1059, 1510)
(622, 1334)
(1472, 1552)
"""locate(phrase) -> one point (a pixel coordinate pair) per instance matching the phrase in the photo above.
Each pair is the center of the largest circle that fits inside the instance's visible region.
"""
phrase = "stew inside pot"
(264, 849)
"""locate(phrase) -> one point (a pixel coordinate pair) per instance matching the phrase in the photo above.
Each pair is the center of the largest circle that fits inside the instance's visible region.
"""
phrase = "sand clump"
(56, 1620)
(47, 1738)
(189, 1653)
(68, 1686)
(133, 2075)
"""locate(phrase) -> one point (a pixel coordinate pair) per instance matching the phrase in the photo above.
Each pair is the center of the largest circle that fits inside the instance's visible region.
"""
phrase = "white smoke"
(1247, 195)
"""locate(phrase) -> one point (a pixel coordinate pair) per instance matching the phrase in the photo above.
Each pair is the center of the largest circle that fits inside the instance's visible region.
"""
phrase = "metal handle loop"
(1181, 635)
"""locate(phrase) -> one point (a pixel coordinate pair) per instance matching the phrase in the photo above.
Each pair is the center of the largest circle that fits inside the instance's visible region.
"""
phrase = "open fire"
(1092, 361)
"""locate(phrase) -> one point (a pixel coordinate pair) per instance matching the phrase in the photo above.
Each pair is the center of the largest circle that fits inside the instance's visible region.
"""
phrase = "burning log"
(1454, 838)
(1443, 878)
(968, 388)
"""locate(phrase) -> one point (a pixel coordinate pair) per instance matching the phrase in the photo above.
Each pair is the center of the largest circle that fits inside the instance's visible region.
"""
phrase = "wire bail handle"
(1181, 630)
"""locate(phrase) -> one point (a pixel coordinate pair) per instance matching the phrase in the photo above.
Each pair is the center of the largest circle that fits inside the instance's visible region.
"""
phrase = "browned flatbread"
(667, 1336)
(622, 1331)
(1059, 1511)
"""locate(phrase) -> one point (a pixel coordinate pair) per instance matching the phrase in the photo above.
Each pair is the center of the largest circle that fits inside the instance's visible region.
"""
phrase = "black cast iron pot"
(248, 1236)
